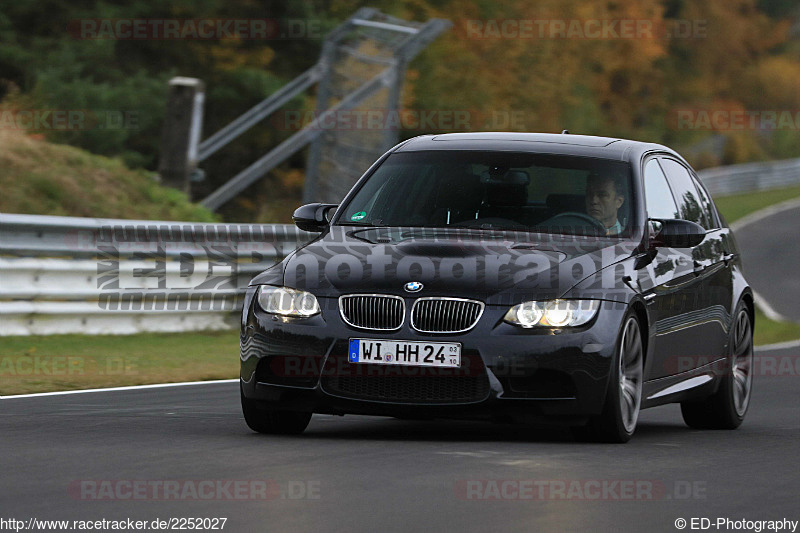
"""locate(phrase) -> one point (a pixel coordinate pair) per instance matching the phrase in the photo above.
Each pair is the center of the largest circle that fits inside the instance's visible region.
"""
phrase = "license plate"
(412, 353)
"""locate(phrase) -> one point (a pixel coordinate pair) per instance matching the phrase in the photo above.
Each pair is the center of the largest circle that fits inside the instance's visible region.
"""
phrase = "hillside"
(38, 177)
(505, 64)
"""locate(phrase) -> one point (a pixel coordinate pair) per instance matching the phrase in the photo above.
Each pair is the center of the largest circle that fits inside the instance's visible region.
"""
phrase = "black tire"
(617, 422)
(273, 422)
(726, 408)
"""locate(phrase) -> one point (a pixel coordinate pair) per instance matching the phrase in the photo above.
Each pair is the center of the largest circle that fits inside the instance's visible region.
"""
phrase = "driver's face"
(602, 201)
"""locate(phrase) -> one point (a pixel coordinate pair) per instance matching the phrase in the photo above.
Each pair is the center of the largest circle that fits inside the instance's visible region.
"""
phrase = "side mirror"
(312, 217)
(676, 233)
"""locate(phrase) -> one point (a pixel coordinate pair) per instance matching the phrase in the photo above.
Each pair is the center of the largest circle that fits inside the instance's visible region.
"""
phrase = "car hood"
(496, 267)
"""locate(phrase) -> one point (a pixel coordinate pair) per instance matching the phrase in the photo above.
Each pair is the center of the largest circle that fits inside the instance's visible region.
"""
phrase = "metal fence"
(362, 66)
(68, 275)
(95, 276)
(751, 177)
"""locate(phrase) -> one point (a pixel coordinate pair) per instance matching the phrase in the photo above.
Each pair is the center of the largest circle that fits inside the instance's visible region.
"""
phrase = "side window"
(685, 192)
(707, 205)
(660, 203)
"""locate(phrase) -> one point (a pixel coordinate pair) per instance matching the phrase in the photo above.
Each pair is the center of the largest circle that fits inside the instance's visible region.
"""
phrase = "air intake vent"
(445, 315)
(406, 384)
(373, 311)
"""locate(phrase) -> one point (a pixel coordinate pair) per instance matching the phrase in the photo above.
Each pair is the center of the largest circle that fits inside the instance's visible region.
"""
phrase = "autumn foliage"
(702, 76)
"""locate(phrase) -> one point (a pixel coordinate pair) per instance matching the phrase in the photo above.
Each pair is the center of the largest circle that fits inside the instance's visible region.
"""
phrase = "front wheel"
(620, 413)
(273, 422)
(726, 408)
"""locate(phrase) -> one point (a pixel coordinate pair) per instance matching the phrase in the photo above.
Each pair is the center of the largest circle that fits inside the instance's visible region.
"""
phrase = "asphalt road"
(373, 474)
(771, 255)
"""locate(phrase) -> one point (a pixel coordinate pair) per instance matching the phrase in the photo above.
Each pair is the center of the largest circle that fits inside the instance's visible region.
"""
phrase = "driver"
(603, 199)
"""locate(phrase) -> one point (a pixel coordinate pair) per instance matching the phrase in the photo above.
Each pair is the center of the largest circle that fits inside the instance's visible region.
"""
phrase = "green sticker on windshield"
(359, 216)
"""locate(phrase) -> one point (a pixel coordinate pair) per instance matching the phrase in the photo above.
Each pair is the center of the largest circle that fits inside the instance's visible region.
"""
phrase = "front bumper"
(507, 373)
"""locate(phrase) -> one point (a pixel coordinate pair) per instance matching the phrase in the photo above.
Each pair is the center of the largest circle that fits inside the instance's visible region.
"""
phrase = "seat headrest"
(566, 202)
(517, 177)
(462, 189)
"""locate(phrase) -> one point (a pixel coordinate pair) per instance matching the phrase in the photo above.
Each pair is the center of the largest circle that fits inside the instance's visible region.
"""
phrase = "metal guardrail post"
(181, 132)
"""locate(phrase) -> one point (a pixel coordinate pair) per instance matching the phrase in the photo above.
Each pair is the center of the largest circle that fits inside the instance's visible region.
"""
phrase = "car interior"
(539, 196)
(502, 199)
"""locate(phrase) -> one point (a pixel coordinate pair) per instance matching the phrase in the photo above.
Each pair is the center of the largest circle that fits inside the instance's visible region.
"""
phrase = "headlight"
(553, 313)
(287, 302)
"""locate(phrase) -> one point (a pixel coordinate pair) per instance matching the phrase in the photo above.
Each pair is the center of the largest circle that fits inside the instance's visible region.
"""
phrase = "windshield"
(495, 190)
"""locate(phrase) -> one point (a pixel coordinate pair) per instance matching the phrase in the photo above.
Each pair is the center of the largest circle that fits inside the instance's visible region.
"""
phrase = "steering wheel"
(564, 220)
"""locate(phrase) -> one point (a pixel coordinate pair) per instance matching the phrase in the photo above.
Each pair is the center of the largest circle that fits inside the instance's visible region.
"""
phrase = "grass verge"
(42, 178)
(771, 331)
(46, 363)
(738, 206)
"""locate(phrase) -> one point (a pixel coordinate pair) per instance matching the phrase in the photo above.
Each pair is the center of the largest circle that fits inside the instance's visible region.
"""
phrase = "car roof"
(549, 143)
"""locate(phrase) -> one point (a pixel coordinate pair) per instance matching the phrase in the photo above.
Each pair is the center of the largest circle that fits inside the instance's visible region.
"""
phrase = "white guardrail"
(750, 177)
(95, 276)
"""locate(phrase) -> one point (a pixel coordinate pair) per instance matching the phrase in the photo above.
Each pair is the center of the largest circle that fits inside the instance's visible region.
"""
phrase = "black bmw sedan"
(512, 277)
